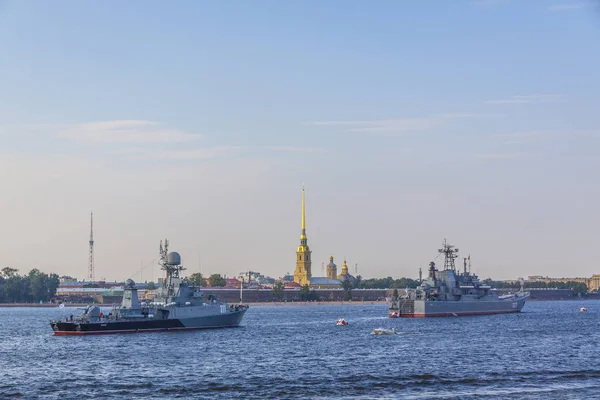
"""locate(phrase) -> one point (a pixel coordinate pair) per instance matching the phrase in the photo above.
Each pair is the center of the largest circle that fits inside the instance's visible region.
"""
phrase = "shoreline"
(252, 304)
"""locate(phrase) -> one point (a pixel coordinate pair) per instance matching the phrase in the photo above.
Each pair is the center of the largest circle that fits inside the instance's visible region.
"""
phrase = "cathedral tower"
(302, 273)
(345, 268)
(331, 269)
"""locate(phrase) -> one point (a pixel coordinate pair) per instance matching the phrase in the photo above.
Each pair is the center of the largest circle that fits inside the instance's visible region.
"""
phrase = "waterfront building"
(593, 283)
(331, 269)
(345, 275)
(302, 274)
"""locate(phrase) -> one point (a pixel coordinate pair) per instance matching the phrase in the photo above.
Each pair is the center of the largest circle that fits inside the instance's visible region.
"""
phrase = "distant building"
(592, 283)
(232, 283)
(331, 269)
(345, 275)
(257, 278)
(291, 285)
(321, 282)
(302, 274)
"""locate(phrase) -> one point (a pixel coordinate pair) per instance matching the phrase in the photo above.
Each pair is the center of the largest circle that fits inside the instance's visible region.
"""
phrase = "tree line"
(197, 279)
(36, 286)
(577, 287)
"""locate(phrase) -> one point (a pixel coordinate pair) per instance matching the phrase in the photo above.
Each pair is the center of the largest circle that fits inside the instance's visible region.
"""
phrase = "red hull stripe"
(464, 313)
(73, 333)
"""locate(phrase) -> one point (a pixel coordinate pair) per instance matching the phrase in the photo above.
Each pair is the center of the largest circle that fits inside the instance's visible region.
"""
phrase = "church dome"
(331, 263)
(345, 268)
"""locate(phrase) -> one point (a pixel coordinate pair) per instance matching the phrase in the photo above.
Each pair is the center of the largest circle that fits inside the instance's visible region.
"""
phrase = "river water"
(549, 351)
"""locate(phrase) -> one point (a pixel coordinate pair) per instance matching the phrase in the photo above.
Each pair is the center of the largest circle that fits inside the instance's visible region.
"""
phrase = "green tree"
(347, 286)
(278, 291)
(15, 289)
(52, 284)
(38, 285)
(34, 286)
(216, 280)
(8, 272)
(304, 293)
(196, 279)
(357, 282)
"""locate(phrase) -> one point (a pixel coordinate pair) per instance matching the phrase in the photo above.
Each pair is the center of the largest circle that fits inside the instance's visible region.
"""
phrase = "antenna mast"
(449, 255)
(91, 264)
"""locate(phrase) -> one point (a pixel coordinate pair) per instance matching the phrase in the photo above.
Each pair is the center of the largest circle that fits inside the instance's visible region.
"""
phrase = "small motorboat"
(341, 322)
(384, 331)
(582, 309)
(395, 314)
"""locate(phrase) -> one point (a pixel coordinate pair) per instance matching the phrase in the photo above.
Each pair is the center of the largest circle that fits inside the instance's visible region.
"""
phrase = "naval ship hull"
(424, 308)
(228, 320)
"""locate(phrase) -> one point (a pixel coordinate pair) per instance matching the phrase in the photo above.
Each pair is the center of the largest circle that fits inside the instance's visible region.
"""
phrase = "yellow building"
(594, 283)
(302, 274)
(345, 275)
(331, 269)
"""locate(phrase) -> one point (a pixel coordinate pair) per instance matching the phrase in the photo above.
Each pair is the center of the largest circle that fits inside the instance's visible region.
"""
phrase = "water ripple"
(295, 352)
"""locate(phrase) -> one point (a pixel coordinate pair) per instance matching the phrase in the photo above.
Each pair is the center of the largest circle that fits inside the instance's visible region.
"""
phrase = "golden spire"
(303, 234)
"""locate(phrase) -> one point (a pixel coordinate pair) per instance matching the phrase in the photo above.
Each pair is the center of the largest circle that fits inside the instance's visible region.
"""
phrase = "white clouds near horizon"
(125, 131)
(567, 7)
(531, 99)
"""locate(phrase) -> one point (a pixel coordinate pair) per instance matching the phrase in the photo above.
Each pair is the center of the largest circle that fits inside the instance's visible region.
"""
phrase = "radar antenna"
(171, 266)
(450, 254)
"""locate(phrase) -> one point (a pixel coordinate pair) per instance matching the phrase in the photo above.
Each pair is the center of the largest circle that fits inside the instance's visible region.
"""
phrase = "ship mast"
(450, 254)
(172, 268)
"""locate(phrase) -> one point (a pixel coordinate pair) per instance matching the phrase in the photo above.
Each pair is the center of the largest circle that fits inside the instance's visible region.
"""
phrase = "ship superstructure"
(451, 292)
(176, 306)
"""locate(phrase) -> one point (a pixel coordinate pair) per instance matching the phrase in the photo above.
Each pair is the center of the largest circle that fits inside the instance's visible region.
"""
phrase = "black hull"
(96, 328)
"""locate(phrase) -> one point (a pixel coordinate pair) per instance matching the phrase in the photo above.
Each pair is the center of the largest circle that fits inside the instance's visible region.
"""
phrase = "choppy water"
(549, 351)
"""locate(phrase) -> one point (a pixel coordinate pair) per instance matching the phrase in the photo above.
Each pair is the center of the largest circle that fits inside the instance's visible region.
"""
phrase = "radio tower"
(91, 266)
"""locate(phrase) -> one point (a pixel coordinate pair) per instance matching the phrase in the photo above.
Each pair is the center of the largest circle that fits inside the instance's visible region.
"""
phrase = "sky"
(407, 121)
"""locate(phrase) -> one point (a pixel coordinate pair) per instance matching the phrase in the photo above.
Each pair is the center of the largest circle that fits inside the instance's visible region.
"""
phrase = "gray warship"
(451, 292)
(176, 306)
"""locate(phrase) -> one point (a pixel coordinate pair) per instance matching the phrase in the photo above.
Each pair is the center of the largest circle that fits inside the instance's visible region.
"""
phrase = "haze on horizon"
(408, 122)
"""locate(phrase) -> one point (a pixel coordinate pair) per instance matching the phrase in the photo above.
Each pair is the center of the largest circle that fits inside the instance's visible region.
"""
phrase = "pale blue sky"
(408, 121)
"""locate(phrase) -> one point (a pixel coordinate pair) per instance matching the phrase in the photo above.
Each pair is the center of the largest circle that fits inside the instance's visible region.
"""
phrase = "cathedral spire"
(302, 274)
(303, 234)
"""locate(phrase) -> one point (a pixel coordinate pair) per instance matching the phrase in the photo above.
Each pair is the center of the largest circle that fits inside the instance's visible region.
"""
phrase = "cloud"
(544, 134)
(531, 99)
(397, 126)
(8, 129)
(295, 149)
(458, 115)
(125, 131)
(567, 7)
(382, 126)
(405, 125)
(204, 153)
(466, 115)
(527, 134)
(390, 125)
(500, 155)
